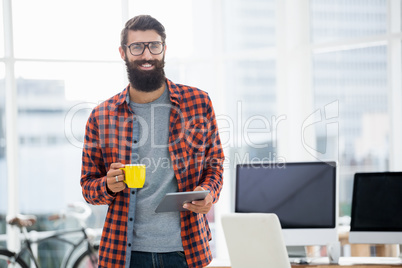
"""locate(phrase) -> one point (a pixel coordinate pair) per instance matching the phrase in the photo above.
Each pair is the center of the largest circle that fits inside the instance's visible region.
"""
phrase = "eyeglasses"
(136, 49)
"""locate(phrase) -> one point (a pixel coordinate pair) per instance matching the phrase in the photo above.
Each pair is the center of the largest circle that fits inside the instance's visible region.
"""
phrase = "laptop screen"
(377, 202)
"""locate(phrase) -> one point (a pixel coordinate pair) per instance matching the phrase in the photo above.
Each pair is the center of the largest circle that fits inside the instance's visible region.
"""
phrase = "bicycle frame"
(28, 241)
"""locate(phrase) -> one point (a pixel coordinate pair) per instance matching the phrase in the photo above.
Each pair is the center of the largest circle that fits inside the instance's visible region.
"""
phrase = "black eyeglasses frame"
(146, 45)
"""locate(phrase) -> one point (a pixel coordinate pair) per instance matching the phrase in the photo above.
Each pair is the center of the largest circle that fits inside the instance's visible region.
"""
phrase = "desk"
(346, 262)
(328, 266)
(346, 266)
(331, 266)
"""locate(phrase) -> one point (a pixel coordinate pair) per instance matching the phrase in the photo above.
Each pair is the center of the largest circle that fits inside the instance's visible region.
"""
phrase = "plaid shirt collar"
(175, 96)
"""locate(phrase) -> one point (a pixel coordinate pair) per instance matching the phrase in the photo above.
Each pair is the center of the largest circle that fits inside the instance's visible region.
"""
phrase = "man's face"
(145, 71)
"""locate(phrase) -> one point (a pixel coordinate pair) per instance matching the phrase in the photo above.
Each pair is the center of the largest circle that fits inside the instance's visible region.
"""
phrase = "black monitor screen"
(302, 195)
(377, 202)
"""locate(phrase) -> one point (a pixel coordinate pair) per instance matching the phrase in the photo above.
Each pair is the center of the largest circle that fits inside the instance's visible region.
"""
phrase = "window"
(247, 121)
(354, 75)
(58, 65)
(73, 30)
(54, 104)
(343, 19)
(357, 80)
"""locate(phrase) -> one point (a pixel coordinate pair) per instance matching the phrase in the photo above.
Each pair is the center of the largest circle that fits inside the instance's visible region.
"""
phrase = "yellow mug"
(134, 175)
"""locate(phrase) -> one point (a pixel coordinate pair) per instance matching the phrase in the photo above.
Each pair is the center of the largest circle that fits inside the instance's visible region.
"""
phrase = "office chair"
(255, 240)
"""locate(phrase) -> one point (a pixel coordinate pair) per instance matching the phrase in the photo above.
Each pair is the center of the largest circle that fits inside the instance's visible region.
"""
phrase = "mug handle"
(124, 173)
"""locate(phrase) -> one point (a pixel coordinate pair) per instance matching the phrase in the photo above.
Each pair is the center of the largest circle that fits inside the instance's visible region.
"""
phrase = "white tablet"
(175, 201)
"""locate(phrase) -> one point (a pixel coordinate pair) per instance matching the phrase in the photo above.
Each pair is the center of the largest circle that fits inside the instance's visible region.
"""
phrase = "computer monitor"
(376, 216)
(303, 195)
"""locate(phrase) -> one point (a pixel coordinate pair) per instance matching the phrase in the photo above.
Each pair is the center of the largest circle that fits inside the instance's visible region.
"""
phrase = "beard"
(146, 81)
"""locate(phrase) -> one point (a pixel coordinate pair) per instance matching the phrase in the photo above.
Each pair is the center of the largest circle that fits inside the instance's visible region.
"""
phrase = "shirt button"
(135, 141)
(131, 219)
(132, 192)
(129, 244)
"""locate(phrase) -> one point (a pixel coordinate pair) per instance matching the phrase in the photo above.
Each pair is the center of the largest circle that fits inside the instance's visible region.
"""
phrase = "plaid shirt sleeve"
(93, 179)
(108, 140)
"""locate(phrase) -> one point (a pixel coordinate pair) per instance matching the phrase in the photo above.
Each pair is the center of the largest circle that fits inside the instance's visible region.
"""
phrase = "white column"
(395, 84)
(11, 126)
(294, 90)
(224, 204)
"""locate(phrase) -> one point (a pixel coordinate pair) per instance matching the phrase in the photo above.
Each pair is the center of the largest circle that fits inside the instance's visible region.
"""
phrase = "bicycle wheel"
(7, 259)
(87, 259)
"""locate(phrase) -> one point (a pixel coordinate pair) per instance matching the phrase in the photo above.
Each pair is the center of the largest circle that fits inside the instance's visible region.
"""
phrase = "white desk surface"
(343, 261)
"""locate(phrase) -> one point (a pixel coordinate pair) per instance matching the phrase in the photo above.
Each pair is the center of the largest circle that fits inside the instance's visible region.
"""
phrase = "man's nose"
(147, 54)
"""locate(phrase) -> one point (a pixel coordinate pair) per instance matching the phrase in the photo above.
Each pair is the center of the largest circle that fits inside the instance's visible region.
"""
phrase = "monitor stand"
(296, 251)
(297, 254)
(400, 251)
(334, 252)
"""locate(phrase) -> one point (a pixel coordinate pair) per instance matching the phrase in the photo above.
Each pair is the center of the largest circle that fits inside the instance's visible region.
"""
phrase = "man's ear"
(122, 53)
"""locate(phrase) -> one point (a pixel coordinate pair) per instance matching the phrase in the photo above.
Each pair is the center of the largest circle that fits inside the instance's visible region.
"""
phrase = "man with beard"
(171, 128)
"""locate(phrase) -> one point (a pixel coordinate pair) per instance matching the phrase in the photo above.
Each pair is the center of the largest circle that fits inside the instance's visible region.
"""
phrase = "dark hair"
(142, 23)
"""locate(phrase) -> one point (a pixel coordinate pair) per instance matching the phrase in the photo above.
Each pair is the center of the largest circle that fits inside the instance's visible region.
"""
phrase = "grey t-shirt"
(154, 232)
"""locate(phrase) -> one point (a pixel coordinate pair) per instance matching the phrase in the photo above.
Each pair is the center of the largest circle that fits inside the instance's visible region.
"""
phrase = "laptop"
(255, 240)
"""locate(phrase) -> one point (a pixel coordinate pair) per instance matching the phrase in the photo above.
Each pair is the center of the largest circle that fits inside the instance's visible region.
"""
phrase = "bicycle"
(74, 258)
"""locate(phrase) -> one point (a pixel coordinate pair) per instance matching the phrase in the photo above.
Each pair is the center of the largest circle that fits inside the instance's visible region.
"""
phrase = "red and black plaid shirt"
(197, 158)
